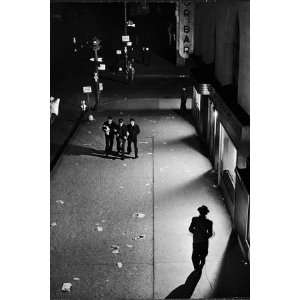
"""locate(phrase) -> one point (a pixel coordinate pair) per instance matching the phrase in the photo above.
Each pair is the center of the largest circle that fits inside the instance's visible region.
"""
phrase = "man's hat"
(203, 210)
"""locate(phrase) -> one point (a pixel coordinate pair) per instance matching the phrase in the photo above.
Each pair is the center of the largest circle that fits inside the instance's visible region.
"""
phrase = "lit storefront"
(227, 141)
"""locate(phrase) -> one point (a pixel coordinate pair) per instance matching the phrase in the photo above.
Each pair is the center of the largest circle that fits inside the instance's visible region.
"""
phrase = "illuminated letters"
(186, 29)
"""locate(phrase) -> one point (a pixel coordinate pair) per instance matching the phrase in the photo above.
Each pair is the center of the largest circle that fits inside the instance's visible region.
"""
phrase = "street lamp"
(96, 47)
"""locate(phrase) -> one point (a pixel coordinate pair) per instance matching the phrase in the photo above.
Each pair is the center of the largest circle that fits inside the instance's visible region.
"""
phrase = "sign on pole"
(186, 27)
(101, 67)
(87, 89)
(125, 38)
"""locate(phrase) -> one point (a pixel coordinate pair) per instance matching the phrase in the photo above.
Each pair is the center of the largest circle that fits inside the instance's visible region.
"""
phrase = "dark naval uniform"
(132, 138)
(109, 131)
(121, 138)
(201, 228)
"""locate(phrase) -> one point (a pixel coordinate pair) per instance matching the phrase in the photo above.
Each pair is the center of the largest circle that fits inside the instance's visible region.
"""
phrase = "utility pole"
(125, 33)
(125, 17)
(96, 47)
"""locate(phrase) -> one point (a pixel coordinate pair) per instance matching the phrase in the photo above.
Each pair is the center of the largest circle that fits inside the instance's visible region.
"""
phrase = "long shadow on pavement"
(186, 290)
(79, 150)
(233, 279)
(187, 116)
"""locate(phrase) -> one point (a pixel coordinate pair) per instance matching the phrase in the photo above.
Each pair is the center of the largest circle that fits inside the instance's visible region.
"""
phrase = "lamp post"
(125, 33)
(96, 48)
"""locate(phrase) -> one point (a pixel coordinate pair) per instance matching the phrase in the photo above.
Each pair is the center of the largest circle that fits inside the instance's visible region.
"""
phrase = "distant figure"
(133, 131)
(131, 71)
(122, 135)
(109, 127)
(183, 100)
(54, 109)
(171, 34)
(202, 230)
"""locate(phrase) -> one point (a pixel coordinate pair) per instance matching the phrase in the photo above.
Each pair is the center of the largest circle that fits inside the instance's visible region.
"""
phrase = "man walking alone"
(201, 228)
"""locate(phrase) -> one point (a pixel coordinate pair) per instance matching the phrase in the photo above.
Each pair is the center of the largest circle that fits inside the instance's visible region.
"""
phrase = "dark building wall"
(222, 38)
(205, 32)
(244, 60)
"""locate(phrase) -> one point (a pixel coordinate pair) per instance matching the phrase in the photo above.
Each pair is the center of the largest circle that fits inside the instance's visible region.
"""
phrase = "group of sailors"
(124, 133)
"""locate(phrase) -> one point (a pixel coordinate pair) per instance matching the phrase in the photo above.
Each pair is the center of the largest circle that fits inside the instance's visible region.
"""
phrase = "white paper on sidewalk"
(139, 237)
(66, 287)
(116, 249)
(139, 215)
(99, 228)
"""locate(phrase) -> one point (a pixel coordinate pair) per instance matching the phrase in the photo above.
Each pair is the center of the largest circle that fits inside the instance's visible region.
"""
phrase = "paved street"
(141, 207)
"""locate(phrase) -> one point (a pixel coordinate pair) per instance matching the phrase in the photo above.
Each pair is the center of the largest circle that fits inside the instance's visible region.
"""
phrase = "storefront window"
(229, 155)
(248, 227)
(196, 96)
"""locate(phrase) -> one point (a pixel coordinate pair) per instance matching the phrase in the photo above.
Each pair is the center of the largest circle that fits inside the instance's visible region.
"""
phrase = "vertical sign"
(186, 27)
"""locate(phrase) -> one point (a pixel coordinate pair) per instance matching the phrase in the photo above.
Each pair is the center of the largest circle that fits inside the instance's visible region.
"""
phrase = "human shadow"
(79, 150)
(234, 266)
(186, 290)
(187, 115)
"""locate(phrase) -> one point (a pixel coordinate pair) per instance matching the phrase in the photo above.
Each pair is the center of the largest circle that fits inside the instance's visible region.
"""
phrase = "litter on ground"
(76, 278)
(120, 265)
(115, 249)
(139, 237)
(66, 287)
(99, 228)
(60, 201)
(139, 215)
(53, 224)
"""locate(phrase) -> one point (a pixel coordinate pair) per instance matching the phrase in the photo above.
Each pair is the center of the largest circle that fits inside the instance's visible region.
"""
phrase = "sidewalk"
(114, 90)
(99, 200)
(160, 79)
